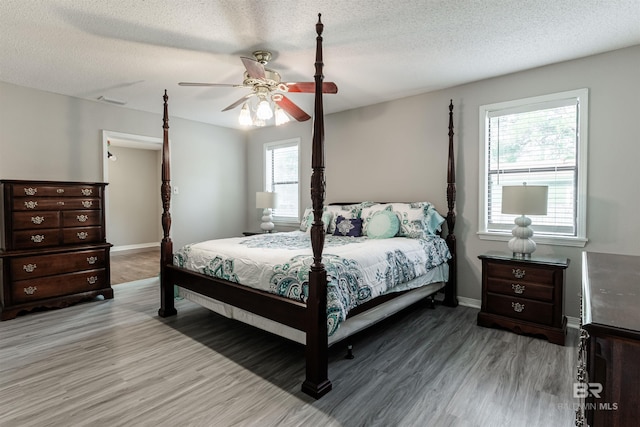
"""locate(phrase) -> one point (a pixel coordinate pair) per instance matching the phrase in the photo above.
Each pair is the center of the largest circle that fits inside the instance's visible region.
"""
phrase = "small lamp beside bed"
(523, 200)
(266, 201)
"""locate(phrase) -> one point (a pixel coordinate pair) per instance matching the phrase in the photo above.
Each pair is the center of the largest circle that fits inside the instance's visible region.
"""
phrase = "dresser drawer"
(35, 220)
(521, 272)
(80, 235)
(520, 308)
(32, 239)
(31, 267)
(81, 218)
(51, 190)
(57, 203)
(60, 285)
(520, 289)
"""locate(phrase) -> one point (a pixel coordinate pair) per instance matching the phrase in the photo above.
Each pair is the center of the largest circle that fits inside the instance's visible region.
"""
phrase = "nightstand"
(252, 233)
(524, 295)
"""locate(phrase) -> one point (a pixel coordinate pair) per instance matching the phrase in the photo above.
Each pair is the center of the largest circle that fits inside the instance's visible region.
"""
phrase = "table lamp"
(266, 201)
(523, 200)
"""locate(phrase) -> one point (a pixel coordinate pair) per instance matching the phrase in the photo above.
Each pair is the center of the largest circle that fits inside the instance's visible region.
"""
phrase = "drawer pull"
(82, 218)
(86, 191)
(30, 290)
(82, 235)
(60, 203)
(30, 204)
(60, 190)
(517, 273)
(87, 203)
(37, 219)
(38, 238)
(30, 191)
(92, 259)
(517, 288)
(92, 280)
(517, 307)
(29, 268)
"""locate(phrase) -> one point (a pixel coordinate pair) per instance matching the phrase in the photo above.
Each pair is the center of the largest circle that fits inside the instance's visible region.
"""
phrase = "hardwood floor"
(127, 266)
(116, 363)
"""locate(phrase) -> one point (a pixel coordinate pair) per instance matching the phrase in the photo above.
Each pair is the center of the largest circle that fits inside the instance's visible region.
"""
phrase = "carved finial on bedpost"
(450, 298)
(167, 307)
(316, 381)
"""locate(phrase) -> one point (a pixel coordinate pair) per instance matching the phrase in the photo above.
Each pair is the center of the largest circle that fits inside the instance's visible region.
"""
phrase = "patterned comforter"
(358, 268)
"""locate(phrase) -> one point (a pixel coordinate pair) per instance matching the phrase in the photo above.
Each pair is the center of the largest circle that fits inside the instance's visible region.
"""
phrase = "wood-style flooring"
(127, 266)
(116, 363)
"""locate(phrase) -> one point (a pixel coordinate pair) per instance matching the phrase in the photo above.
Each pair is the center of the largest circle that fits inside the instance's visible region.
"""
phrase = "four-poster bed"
(307, 317)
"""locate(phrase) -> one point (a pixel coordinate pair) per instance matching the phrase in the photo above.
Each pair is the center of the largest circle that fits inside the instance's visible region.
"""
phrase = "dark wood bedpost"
(167, 307)
(316, 382)
(450, 293)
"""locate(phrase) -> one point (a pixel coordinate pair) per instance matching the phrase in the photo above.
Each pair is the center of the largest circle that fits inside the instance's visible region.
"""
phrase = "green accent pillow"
(383, 225)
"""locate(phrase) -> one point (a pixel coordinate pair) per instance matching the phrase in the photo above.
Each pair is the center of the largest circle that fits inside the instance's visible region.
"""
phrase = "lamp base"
(521, 244)
(267, 221)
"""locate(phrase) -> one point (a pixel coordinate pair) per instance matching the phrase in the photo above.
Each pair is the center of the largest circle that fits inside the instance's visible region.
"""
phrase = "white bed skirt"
(349, 327)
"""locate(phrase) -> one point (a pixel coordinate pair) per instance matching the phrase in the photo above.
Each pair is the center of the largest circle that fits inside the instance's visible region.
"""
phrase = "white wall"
(398, 150)
(47, 136)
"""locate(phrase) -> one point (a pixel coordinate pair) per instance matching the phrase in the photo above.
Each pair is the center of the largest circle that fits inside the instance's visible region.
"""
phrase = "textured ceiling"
(375, 50)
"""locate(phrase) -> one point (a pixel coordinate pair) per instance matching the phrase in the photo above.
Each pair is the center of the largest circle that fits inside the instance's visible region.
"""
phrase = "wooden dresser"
(524, 295)
(608, 371)
(53, 249)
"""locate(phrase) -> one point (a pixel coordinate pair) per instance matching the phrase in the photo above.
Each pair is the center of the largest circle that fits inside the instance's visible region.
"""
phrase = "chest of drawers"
(524, 295)
(53, 249)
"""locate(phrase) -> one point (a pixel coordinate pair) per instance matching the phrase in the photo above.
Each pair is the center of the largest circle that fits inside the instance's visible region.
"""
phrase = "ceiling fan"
(265, 85)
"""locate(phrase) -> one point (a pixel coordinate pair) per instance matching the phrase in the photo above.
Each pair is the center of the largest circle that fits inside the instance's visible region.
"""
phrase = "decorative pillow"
(418, 219)
(307, 220)
(346, 211)
(351, 227)
(382, 224)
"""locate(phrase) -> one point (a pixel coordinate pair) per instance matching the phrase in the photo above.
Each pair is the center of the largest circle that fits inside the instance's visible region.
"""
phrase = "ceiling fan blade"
(292, 109)
(254, 68)
(310, 87)
(208, 84)
(238, 102)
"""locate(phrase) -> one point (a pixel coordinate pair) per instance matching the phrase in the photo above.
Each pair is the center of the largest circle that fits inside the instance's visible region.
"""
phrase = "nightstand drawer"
(520, 289)
(522, 272)
(520, 308)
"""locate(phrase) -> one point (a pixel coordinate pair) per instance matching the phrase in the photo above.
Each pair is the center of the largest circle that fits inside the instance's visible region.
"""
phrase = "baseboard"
(135, 247)
(572, 322)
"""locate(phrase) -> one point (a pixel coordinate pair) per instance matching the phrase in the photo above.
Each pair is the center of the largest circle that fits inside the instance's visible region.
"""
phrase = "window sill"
(578, 242)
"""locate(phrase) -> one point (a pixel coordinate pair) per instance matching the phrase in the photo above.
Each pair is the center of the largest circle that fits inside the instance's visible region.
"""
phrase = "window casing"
(282, 166)
(540, 141)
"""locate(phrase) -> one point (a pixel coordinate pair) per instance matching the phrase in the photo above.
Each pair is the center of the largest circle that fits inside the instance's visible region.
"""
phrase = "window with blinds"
(538, 141)
(282, 177)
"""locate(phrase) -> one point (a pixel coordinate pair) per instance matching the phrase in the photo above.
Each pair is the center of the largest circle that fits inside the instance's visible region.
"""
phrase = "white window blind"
(537, 141)
(282, 177)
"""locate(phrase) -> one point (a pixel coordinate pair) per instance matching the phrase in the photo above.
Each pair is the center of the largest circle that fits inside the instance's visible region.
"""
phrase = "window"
(540, 141)
(281, 165)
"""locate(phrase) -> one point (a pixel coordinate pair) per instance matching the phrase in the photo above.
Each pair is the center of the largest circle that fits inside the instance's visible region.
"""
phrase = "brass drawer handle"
(82, 218)
(87, 203)
(518, 273)
(30, 204)
(517, 307)
(30, 191)
(517, 288)
(30, 290)
(60, 190)
(92, 259)
(38, 238)
(60, 203)
(92, 280)
(37, 219)
(86, 191)
(82, 235)
(29, 268)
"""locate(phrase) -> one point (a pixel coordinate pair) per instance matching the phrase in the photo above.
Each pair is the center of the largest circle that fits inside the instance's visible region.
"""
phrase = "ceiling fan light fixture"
(281, 116)
(245, 116)
(264, 111)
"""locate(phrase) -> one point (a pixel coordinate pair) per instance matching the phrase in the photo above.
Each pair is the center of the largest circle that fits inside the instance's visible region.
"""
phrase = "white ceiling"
(375, 50)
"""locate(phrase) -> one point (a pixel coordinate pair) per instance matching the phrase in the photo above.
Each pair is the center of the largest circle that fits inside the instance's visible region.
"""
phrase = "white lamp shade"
(525, 199)
(265, 199)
